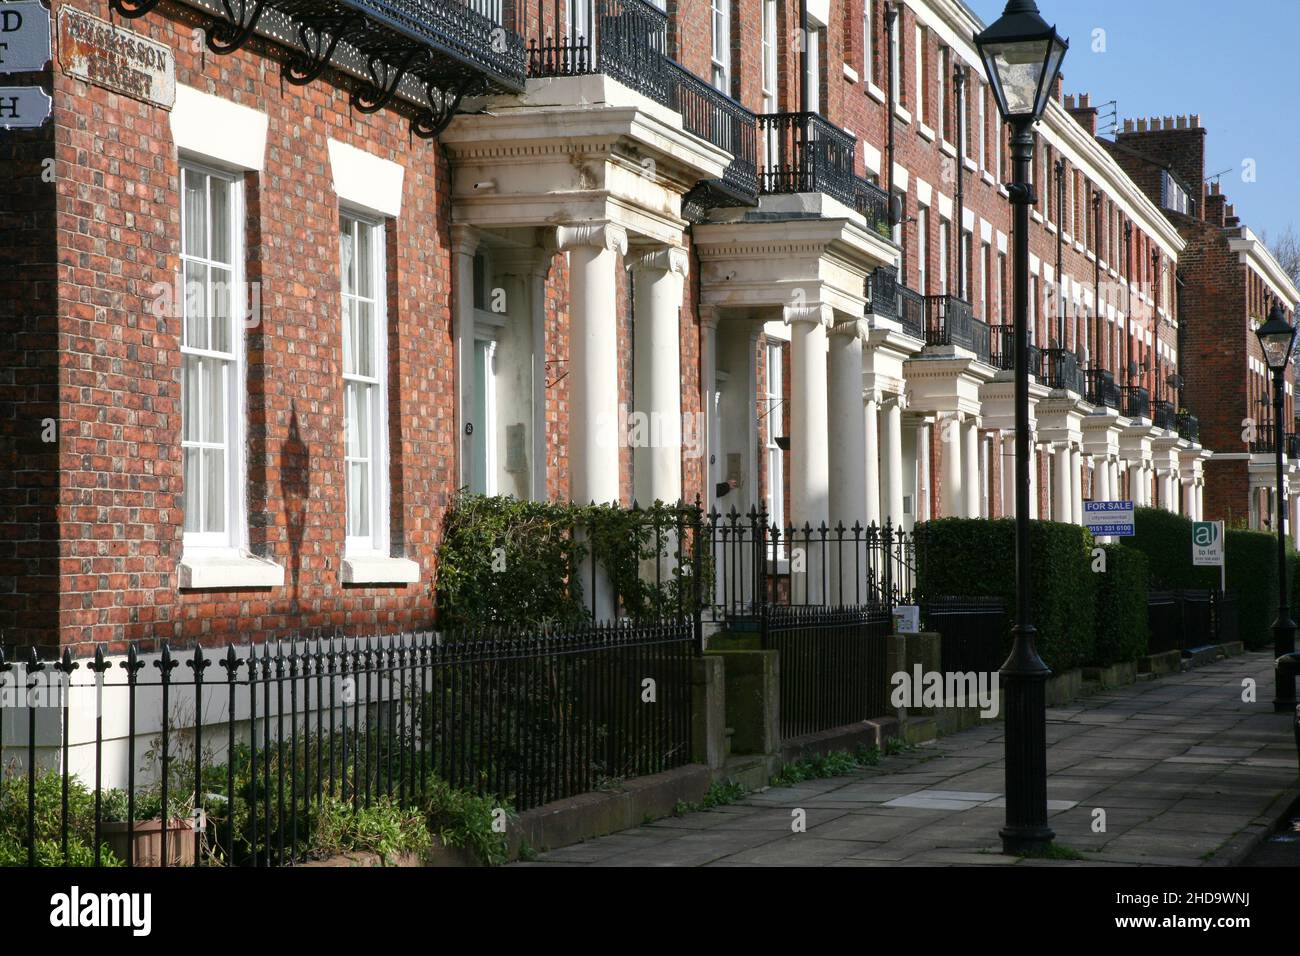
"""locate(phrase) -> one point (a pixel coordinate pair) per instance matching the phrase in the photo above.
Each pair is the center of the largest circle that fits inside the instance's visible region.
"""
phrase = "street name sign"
(24, 37)
(1113, 519)
(98, 52)
(24, 107)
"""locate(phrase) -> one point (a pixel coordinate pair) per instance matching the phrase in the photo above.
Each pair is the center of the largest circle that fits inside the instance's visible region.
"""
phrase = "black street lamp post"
(1277, 338)
(1022, 56)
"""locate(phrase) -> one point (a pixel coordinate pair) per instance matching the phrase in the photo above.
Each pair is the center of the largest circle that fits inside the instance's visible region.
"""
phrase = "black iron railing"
(1185, 619)
(972, 632)
(1292, 447)
(1189, 426)
(1101, 388)
(1164, 415)
(911, 311)
(1061, 370)
(882, 287)
(285, 736)
(1137, 401)
(805, 153)
(630, 44)
(951, 321)
(1002, 350)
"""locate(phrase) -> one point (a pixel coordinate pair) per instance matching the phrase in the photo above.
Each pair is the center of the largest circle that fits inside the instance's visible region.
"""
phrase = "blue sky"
(1233, 63)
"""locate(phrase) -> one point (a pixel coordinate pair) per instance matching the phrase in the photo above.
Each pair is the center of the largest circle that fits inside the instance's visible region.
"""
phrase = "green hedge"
(976, 557)
(1121, 607)
(1166, 539)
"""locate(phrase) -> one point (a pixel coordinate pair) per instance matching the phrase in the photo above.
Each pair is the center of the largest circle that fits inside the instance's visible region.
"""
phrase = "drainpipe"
(1128, 298)
(1182, 341)
(1060, 226)
(959, 88)
(891, 16)
(1098, 319)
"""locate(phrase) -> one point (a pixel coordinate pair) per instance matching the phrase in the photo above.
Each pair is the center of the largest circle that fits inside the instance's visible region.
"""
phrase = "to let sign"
(24, 37)
(98, 52)
(23, 107)
(1113, 519)
(1207, 543)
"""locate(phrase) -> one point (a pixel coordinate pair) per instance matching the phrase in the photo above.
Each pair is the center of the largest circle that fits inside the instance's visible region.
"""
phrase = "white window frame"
(941, 96)
(896, 59)
(945, 232)
(922, 247)
(377, 541)
(984, 282)
(769, 78)
(720, 49)
(580, 19)
(775, 409)
(919, 105)
(235, 535)
(868, 47)
(813, 77)
(982, 97)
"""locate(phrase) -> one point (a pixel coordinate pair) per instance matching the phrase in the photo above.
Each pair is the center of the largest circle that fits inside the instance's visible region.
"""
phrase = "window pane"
(347, 257)
(220, 199)
(364, 357)
(194, 241)
(190, 385)
(365, 279)
(349, 336)
(214, 482)
(196, 305)
(214, 401)
(222, 310)
(358, 500)
(190, 496)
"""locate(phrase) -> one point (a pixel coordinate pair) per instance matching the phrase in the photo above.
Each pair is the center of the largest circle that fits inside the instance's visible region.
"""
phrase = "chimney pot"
(1128, 126)
(1196, 120)
(1169, 122)
(1085, 99)
(1142, 126)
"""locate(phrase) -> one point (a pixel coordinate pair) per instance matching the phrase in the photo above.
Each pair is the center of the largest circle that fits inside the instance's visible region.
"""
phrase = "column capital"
(708, 316)
(851, 329)
(601, 235)
(464, 239)
(816, 313)
(664, 259)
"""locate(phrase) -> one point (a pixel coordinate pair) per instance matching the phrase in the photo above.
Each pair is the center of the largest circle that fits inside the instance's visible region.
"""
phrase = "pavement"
(1177, 771)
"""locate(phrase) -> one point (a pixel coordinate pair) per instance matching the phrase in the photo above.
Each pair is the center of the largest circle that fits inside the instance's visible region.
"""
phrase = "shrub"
(49, 820)
(976, 557)
(1251, 556)
(464, 820)
(1121, 607)
(385, 827)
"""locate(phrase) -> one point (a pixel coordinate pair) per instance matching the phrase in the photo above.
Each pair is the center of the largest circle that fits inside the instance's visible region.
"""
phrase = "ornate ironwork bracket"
(132, 9)
(443, 103)
(318, 37)
(386, 76)
(228, 35)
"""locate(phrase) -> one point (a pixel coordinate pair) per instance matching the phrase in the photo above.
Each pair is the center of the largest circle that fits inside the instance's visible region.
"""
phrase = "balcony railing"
(1189, 427)
(1002, 350)
(1137, 401)
(630, 45)
(1101, 388)
(1061, 371)
(804, 153)
(1164, 415)
(447, 48)
(951, 321)
(890, 299)
(911, 311)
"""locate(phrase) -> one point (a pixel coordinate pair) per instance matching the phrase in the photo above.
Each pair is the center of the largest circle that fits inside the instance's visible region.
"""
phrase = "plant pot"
(148, 840)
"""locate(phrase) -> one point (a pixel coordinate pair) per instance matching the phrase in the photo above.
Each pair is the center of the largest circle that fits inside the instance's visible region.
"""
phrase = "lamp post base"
(1026, 841)
(1284, 700)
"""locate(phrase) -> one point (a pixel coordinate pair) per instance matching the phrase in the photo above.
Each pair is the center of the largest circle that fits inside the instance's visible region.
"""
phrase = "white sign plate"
(1207, 544)
(98, 52)
(1112, 519)
(24, 37)
(24, 107)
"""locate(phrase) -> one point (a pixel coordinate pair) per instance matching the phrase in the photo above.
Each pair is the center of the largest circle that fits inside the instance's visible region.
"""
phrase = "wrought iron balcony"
(951, 321)
(1292, 447)
(1189, 427)
(1061, 370)
(447, 48)
(1164, 415)
(804, 153)
(911, 311)
(1137, 401)
(630, 44)
(1101, 388)
(1002, 350)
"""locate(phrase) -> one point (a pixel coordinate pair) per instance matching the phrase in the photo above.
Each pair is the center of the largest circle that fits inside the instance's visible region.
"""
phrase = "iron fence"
(832, 665)
(972, 632)
(243, 758)
(1102, 390)
(1137, 401)
(1180, 620)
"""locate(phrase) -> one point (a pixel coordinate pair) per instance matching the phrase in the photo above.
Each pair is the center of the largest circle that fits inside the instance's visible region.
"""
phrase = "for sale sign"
(1113, 519)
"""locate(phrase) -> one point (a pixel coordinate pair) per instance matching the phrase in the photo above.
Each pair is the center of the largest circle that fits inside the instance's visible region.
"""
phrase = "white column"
(809, 454)
(847, 455)
(594, 253)
(1112, 484)
(464, 244)
(658, 282)
(1007, 459)
(1076, 486)
(1188, 489)
(1101, 471)
(891, 460)
(924, 497)
(970, 479)
(1200, 499)
(1062, 486)
(871, 450)
(1135, 474)
(954, 502)
(1033, 477)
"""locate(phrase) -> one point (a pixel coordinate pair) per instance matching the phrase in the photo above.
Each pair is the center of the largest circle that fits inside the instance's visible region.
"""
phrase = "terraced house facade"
(316, 266)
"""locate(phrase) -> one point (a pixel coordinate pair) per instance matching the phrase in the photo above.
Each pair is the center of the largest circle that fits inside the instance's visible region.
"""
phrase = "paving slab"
(1186, 772)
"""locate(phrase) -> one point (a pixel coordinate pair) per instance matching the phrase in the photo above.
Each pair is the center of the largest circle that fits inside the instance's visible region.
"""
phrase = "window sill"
(850, 74)
(227, 571)
(948, 148)
(970, 165)
(1037, 216)
(927, 134)
(902, 114)
(875, 92)
(988, 178)
(376, 569)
